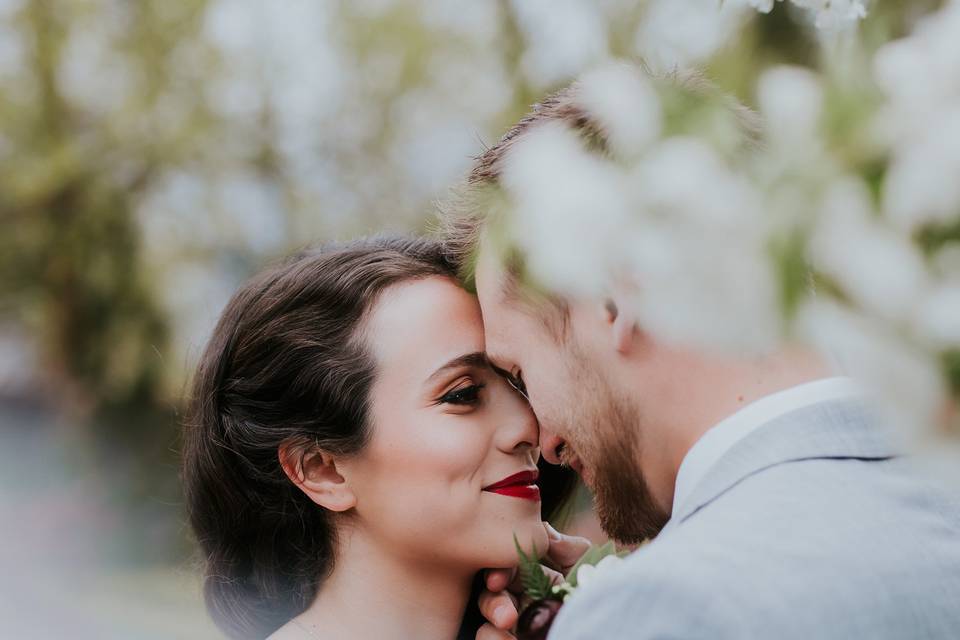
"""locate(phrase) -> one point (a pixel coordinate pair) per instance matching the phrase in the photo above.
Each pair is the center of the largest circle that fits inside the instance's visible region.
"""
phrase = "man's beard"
(626, 508)
(608, 444)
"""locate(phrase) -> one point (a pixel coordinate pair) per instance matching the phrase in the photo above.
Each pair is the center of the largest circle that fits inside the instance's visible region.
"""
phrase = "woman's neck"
(373, 593)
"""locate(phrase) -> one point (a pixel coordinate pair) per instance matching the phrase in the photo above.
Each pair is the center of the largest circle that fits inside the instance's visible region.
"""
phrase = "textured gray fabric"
(810, 527)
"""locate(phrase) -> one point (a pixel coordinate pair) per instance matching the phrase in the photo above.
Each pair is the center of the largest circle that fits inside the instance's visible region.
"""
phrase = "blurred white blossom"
(679, 34)
(589, 573)
(921, 187)
(828, 14)
(834, 14)
(903, 377)
(699, 232)
(569, 230)
(878, 267)
(921, 120)
(563, 38)
(938, 316)
(623, 102)
(791, 99)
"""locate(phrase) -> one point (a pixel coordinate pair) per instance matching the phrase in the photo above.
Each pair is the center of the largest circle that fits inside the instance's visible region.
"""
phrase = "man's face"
(585, 421)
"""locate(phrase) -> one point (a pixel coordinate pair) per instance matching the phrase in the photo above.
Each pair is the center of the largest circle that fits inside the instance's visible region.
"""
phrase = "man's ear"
(315, 473)
(623, 326)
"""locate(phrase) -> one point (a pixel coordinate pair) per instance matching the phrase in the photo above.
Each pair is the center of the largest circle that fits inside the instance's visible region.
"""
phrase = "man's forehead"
(489, 276)
(496, 338)
(489, 271)
(490, 292)
(499, 360)
(493, 279)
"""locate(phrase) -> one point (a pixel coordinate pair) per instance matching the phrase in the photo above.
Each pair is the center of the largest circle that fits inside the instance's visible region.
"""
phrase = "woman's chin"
(532, 538)
(500, 537)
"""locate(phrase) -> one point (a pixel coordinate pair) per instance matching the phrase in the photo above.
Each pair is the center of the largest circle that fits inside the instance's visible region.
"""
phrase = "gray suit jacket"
(810, 527)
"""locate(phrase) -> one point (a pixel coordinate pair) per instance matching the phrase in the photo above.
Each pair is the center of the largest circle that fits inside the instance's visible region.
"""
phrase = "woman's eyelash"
(463, 395)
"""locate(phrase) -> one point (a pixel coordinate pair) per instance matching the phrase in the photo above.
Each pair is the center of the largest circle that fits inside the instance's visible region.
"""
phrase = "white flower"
(563, 37)
(829, 15)
(621, 99)
(570, 209)
(681, 33)
(683, 178)
(763, 6)
(896, 67)
(834, 15)
(698, 250)
(922, 185)
(588, 573)
(938, 316)
(946, 263)
(791, 100)
(879, 268)
(905, 380)
(918, 75)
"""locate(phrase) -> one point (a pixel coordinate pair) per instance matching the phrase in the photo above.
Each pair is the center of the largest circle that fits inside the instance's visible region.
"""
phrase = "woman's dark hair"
(286, 365)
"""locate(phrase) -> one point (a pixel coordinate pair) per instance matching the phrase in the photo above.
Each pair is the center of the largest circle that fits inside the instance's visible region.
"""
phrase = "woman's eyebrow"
(476, 359)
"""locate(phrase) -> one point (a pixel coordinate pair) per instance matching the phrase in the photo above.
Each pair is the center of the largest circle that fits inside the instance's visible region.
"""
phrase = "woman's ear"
(624, 327)
(315, 473)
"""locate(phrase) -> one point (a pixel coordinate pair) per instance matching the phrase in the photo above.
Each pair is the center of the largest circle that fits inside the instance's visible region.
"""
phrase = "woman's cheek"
(448, 448)
(429, 476)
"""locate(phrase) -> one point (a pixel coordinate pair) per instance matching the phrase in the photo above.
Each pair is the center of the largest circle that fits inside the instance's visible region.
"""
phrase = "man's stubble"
(604, 430)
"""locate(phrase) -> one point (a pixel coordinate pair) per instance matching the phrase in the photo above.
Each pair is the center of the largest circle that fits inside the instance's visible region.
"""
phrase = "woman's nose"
(524, 432)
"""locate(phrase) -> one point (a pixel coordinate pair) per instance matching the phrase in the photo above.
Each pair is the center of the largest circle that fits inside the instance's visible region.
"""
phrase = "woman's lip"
(521, 479)
(527, 492)
(519, 485)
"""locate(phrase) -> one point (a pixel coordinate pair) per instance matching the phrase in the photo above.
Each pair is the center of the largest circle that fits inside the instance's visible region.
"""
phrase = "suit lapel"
(839, 429)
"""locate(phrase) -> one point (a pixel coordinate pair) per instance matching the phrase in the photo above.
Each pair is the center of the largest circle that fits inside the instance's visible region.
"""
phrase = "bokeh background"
(154, 154)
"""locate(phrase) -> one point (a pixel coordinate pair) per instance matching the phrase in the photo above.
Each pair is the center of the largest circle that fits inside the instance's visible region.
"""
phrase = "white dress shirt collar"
(713, 444)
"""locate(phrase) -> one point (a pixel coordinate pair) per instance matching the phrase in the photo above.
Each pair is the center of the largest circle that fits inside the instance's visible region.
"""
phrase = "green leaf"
(536, 584)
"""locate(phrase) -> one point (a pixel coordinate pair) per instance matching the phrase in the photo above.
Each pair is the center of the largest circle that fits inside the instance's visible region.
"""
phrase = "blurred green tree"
(78, 153)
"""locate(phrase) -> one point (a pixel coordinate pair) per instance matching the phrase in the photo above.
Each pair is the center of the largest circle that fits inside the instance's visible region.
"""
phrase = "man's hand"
(500, 601)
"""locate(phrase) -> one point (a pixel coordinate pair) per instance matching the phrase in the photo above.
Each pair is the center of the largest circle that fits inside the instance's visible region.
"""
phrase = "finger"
(490, 632)
(500, 579)
(500, 609)
(564, 550)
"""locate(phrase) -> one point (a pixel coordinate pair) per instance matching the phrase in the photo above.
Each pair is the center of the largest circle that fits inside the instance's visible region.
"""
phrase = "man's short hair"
(464, 215)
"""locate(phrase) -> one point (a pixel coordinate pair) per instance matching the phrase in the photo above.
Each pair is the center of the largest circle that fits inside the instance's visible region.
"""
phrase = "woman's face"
(445, 429)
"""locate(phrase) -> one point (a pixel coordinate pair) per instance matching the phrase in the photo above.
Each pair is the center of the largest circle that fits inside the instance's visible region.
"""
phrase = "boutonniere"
(546, 597)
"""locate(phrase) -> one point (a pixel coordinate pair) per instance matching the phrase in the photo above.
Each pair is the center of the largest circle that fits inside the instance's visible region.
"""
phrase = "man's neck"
(371, 593)
(719, 388)
(745, 384)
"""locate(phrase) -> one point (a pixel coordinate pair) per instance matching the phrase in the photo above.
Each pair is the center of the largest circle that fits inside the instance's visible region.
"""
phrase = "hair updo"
(286, 365)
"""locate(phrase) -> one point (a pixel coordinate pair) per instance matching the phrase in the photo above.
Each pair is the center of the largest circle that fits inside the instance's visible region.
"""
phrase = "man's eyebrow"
(476, 359)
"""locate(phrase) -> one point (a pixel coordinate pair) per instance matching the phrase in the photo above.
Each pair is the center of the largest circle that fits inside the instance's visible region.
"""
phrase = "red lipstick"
(519, 485)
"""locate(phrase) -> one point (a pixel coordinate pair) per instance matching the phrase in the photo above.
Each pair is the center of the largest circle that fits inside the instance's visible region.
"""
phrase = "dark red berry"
(536, 619)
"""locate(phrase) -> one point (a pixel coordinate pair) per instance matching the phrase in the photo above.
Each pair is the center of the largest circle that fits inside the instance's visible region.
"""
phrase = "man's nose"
(550, 445)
